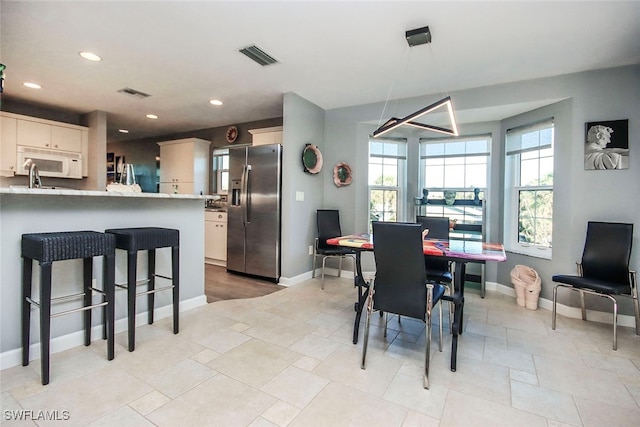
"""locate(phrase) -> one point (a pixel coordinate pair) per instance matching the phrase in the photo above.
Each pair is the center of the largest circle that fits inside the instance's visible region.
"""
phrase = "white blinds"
(528, 138)
(395, 149)
(455, 147)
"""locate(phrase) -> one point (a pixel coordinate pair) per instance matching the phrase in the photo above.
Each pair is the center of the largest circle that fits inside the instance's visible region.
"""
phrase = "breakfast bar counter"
(24, 210)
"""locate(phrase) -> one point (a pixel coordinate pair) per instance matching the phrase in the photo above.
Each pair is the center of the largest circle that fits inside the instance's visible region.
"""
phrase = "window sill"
(532, 252)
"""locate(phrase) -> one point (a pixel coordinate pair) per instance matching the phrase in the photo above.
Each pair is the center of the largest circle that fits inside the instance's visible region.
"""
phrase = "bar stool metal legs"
(47, 248)
(150, 239)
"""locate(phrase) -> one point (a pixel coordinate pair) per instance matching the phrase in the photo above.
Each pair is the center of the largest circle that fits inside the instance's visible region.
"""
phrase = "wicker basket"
(527, 284)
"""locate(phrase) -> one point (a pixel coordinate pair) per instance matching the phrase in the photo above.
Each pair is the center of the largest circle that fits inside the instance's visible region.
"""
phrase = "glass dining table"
(459, 252)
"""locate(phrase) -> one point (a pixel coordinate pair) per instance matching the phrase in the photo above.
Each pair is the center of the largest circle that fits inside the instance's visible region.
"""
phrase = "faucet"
(34, 175)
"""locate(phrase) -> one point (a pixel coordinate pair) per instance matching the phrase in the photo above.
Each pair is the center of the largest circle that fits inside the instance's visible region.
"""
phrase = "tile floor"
(286, 359)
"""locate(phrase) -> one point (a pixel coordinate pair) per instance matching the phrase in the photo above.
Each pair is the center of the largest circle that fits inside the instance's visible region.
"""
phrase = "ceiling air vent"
(134, 93)
(258, 55)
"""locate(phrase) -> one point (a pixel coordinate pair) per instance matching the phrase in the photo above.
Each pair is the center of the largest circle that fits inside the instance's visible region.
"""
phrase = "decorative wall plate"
(341, 174)
(311, 159)
(232, 134)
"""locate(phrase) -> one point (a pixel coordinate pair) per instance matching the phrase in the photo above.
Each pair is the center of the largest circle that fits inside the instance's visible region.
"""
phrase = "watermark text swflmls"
(37, 415)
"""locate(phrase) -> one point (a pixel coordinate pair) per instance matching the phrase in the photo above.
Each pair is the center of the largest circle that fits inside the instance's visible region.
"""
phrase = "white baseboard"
(564, 310)
(567, 311)
(291, 281)
(217, 262)
(58, 344)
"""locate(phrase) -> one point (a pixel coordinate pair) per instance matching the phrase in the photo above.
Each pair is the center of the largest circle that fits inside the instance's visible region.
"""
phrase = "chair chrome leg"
(313, 272)
(324, 259)
(340, 267)
(615, 323)
(553, 312)
(636, 310)
(634, 298)
(584, 311)
(428, 338)
(386, 320)
(440, 336)
(366, 329)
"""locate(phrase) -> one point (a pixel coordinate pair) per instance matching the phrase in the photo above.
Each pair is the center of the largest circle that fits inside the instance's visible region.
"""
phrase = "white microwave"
(52, 163)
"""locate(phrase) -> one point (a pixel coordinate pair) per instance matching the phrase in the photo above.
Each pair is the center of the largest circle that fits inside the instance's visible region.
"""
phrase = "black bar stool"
(58, 246)
(148, 239)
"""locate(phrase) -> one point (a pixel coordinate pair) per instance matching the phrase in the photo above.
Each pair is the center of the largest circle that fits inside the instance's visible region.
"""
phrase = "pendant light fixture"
(415, 38)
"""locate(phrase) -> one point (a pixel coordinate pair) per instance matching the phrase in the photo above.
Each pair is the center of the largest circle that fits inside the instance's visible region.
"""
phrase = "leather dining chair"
(328, 222)
(400, 285)
(438, 270)
(603, 271)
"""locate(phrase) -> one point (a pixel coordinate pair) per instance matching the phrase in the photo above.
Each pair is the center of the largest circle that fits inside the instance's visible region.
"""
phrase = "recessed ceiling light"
(215, 102)
(32, 85)
(123, 131)
(152, 116)
(90, 56)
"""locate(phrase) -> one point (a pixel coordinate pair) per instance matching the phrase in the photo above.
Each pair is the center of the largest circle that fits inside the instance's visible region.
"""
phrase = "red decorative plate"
(232, 134)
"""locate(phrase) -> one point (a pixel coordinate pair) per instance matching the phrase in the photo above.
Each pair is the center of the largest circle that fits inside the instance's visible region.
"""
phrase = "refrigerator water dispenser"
(236, 190)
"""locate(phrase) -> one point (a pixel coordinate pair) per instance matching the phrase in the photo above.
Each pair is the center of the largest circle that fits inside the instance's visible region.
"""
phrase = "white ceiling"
(334, 54)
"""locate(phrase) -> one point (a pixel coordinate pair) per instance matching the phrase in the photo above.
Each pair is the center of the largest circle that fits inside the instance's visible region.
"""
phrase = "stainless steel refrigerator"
(253, 230)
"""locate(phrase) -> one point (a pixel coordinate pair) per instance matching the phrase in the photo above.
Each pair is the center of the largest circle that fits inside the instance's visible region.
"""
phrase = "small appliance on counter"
(216, 202)
(127, 182)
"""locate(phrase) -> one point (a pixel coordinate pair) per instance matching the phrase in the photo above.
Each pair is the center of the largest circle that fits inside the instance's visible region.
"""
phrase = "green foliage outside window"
(535, 214)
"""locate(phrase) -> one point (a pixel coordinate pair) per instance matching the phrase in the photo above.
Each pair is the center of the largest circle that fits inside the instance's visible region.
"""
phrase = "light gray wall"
(561, 112)
(579, 195)
(303, 123)
(97, 123)
(582, 195)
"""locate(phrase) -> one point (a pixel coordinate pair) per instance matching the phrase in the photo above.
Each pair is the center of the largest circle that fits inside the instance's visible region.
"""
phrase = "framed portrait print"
(606, 145)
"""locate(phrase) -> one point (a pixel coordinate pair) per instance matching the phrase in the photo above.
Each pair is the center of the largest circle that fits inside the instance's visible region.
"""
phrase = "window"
(529, 189)
(387, 176)
(221, 171)
(456, 165)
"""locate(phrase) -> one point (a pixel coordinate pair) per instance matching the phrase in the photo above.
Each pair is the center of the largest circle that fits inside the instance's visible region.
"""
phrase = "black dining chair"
(400, 285)
(603, 271)
(328, 221)
(438, 270)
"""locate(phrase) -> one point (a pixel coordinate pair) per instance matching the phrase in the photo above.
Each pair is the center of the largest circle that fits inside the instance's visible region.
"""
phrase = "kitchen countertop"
(94, 193)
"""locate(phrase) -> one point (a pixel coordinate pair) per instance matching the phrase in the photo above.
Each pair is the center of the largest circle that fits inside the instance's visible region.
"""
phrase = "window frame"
(217, 161)
(514, 188)
(467, 214)
(401, 182)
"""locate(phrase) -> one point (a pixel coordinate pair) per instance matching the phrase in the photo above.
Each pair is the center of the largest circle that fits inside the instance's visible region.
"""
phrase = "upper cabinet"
(7, 146)
(16, 129)
(184, 166)
(265, 136)
(49, 136)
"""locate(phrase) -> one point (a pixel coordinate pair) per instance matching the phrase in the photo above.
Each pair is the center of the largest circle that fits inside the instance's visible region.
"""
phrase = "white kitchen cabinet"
(215, 238)
(178, 187)
(265, 136)
(184, 166)
(40, 134)
(7, 146)
(16, 129)
(85, 153)
(64, 138)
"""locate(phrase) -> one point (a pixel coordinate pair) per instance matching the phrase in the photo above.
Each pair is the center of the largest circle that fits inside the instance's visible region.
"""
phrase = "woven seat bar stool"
(47, 248)
(148, 239)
